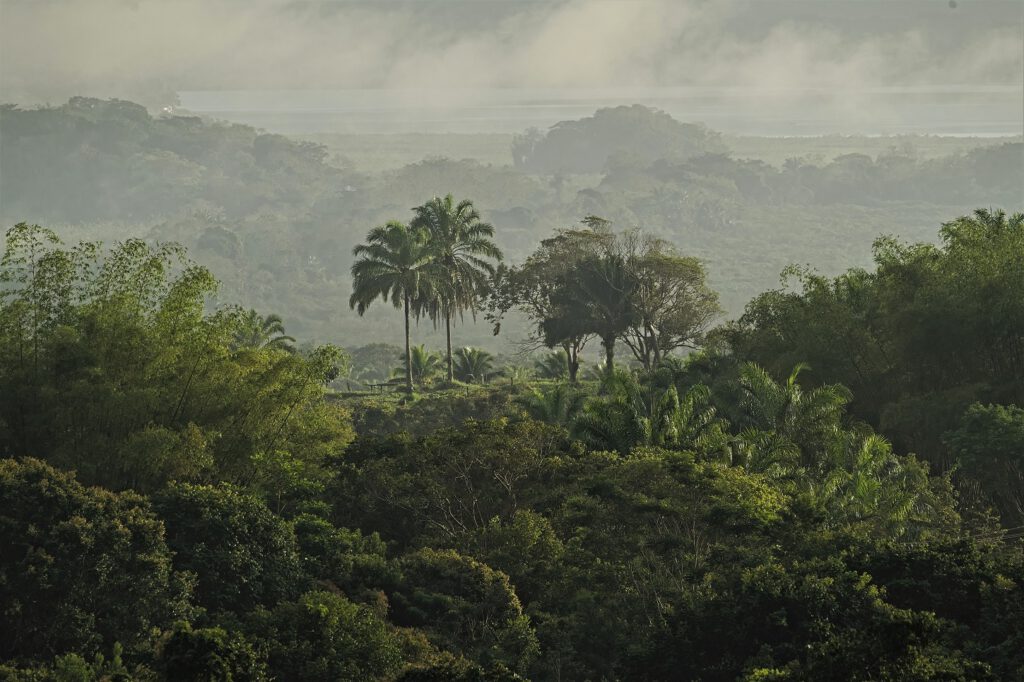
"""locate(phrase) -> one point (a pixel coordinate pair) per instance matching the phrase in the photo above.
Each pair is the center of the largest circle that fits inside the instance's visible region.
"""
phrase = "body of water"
(938, 110)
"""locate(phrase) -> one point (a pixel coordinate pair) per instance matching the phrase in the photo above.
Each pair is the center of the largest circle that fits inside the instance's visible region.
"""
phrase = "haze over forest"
(465, 340)
(392, 88)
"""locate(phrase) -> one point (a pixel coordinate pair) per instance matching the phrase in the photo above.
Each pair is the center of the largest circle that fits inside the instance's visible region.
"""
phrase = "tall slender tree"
(393, 265)
(461, 255)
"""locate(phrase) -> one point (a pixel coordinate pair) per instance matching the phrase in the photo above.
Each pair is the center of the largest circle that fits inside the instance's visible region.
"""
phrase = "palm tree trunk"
(408, 350)
(448, 343)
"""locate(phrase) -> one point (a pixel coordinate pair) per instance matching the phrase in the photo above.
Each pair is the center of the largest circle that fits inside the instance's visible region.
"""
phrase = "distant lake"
(993, 110)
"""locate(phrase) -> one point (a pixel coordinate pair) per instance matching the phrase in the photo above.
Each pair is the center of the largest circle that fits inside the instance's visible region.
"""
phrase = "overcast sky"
(52, 49)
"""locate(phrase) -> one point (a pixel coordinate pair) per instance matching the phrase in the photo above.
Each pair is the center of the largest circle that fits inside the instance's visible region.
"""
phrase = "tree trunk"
(408, 350)
(572, 356)
(609, 354)
(448, 343)
(656, 348)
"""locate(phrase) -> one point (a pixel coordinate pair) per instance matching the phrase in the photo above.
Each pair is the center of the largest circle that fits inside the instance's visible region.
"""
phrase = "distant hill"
(635, 132)
(94, 160)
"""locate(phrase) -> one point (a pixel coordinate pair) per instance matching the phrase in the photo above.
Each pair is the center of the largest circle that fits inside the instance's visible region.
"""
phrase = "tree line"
(579, 285)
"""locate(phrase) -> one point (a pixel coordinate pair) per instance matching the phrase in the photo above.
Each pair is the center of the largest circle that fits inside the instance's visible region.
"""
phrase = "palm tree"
(393, 264)
(255, 331)
(632, 414)
(765, 452)
(425, 365)
(517, 373)
(473, 364)
(559, 404)
(461, 252)
(553, 365)
(807, 419)
(867, 482)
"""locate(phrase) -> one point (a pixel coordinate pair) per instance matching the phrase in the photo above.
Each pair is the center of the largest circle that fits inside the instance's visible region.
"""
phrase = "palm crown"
(255, 331)
(461, 255)
(392, 265)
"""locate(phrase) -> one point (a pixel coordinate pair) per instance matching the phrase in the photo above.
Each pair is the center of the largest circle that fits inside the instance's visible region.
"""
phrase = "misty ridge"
(275, 218)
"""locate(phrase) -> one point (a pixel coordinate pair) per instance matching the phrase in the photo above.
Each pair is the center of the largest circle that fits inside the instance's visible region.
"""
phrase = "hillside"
(276, 219)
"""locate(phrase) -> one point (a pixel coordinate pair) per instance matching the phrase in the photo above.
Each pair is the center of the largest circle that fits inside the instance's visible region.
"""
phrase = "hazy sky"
(51, 49)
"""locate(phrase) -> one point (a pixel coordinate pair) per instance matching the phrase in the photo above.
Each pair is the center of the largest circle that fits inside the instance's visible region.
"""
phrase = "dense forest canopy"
(828, 489)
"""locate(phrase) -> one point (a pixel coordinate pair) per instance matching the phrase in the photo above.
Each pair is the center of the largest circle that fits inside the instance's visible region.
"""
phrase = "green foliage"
(111, 366)
(643, 536)
(710, 518)
(209, 654)
(553, 365)
(465, 606)
(673, 303)
(457, 669)
(373, 362)
(474, 365)
(866, 484)
(558, 404)
(596, 298)
(525, 547)
(275, 218)
(631, 414)
(444, 486)
(342, 557)
(256, 331)
(81, 568)
(988, 443)
(378, 416)
(426, 365)
(74, 668)
(394, 263)
(929, 332)
(808, 420)
(324, 637)
(241, 553)
(592, 282)
(782, 617)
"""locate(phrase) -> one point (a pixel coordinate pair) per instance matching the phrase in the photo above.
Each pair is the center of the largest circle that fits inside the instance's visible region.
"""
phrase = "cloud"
(51, 49)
